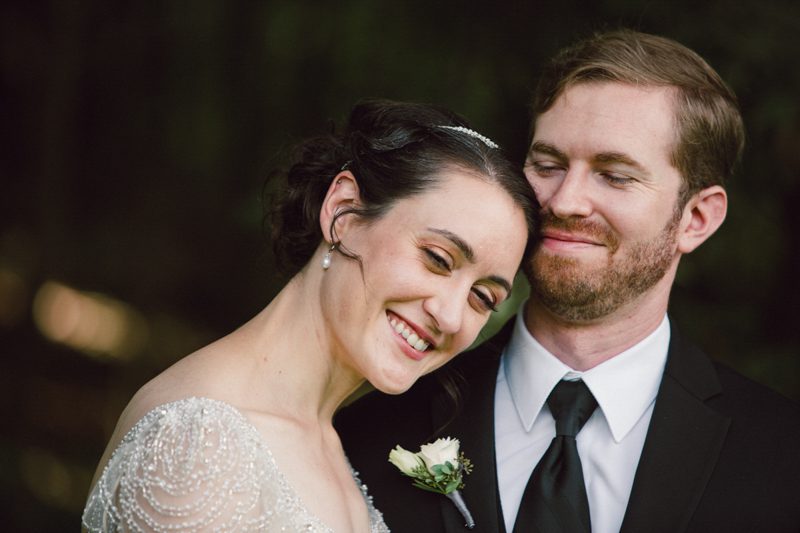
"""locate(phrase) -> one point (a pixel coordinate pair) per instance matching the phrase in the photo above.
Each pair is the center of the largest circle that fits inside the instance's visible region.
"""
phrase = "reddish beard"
(575, 291)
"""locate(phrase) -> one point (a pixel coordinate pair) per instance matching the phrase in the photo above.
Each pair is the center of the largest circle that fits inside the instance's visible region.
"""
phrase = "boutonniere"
(437, 467)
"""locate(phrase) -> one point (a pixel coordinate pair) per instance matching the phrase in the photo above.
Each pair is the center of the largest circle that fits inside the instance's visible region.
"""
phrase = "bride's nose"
(446, 307)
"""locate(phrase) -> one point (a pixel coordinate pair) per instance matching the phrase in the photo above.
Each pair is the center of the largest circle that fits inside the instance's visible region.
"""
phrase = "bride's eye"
(486, 301)
(438, 261)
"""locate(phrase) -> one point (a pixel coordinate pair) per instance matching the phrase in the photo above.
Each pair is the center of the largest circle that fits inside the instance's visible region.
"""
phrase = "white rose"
(404, 460)
(439, 452)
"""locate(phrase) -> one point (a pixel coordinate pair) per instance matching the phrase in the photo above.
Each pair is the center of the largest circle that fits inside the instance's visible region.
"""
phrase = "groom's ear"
(702, 216)
(342, 195)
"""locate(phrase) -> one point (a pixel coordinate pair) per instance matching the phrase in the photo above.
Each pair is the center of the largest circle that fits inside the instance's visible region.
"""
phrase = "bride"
(402, 234)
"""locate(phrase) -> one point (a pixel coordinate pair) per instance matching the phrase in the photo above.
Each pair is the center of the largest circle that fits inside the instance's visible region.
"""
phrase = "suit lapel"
(682, 445)
(474, 427)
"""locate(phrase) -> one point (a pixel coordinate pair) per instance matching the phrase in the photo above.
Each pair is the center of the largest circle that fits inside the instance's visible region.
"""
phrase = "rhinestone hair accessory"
(472, 133)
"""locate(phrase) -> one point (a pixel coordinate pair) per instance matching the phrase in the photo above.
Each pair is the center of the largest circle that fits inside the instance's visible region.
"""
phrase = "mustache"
(579, 226)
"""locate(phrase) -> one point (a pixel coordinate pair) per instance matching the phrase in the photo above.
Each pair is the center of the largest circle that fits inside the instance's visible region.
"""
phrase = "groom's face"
(600, 165)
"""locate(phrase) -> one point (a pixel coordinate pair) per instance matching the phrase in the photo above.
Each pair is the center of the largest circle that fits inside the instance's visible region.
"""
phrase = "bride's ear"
(342, 195)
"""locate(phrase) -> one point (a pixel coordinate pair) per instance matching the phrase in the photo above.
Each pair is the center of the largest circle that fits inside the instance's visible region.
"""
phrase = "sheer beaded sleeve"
(196, 465)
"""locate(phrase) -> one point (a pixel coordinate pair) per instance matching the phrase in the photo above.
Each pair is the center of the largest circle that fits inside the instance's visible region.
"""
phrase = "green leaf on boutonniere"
(453, 485)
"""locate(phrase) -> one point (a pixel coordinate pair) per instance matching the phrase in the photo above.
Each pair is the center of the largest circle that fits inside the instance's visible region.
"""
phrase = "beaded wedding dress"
(199, 465)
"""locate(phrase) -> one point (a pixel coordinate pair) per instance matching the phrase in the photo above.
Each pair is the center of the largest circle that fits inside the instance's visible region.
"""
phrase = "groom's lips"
(565, 241)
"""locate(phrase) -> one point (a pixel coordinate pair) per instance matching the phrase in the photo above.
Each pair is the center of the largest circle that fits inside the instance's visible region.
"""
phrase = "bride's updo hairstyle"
(394, 150)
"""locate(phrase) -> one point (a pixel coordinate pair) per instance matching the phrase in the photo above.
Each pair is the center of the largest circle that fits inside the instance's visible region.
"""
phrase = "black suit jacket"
(722, 453)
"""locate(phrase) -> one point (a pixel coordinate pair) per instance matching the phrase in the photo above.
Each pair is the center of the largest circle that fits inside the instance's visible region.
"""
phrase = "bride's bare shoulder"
(191, 376)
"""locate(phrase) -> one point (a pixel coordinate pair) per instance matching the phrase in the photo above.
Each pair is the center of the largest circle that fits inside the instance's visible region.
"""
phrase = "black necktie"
(555, 498)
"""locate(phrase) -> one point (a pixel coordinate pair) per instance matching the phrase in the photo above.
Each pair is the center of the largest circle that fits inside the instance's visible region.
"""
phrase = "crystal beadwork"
(199, 465)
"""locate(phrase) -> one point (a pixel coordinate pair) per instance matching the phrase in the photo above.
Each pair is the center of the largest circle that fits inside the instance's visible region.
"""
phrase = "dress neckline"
(259, 438)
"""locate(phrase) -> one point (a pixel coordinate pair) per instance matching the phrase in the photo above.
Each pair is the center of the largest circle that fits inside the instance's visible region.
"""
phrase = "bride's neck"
(288, 346)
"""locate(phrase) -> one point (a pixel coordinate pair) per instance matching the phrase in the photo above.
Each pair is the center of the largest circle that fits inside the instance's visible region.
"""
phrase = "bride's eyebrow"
(461, 244)
(469, 254)
(503, 282)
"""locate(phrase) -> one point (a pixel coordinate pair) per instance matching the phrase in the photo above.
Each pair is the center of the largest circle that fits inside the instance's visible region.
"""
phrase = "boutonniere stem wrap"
(437, 467)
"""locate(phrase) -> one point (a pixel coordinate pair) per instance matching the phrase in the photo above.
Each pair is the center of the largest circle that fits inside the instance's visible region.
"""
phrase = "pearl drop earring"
(326, 259)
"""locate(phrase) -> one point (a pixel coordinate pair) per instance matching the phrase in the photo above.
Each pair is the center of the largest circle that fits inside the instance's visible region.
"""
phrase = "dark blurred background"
(137, 137)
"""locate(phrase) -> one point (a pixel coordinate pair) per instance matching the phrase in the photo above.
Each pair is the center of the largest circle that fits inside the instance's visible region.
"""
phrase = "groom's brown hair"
(709, 136)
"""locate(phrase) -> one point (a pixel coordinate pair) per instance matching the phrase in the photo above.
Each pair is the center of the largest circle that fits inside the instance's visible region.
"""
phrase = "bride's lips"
(413, 340)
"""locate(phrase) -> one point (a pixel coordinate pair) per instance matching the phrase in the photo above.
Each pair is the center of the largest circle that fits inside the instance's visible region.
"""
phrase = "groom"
(633, 137)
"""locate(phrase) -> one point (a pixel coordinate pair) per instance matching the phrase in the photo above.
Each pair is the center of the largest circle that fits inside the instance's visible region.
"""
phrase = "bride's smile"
(413, 336)
(425, 270)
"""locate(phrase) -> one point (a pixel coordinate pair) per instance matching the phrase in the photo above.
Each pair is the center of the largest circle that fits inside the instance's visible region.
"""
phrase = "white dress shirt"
(609, 444)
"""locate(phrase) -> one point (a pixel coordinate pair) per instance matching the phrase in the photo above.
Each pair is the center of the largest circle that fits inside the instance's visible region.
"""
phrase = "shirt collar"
(624, 386)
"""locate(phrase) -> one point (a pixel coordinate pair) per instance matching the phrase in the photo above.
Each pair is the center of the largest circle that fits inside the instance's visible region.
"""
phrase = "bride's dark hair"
(395, 150)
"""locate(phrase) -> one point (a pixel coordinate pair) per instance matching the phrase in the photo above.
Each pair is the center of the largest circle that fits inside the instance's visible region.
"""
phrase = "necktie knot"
(571, 403)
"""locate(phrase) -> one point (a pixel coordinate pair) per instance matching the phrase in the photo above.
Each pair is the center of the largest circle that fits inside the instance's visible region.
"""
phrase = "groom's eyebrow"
(543, 148)
(547, 149)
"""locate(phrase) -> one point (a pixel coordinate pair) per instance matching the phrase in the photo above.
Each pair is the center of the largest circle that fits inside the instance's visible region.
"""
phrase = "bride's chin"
(393, 384)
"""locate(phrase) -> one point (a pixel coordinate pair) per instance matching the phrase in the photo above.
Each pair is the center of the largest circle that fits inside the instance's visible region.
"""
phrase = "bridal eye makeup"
(442, 261)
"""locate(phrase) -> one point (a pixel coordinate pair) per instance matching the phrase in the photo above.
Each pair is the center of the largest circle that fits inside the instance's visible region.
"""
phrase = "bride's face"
(434, 267)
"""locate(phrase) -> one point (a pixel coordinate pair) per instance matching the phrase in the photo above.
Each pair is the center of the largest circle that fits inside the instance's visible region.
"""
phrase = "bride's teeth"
(410, 336)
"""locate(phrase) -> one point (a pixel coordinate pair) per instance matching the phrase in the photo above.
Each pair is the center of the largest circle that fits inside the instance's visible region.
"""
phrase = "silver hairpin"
(472, 133)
